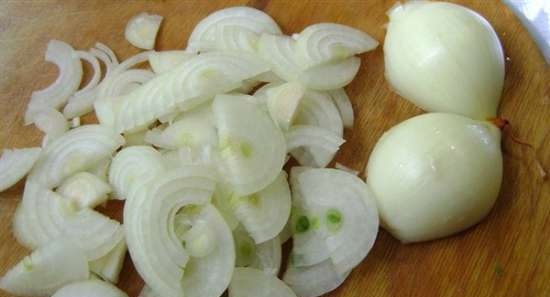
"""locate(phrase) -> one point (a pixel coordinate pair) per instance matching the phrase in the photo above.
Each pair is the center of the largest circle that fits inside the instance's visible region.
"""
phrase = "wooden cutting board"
(508, 254)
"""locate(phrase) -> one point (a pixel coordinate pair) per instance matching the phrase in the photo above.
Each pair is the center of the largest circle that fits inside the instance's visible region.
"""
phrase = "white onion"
(318, 109)
(435, 174)
(186, 86)
(85, 189)
(88, 57)
(68, 81)
(309, 136)
(250, 282)
(236, 38)
(203, 37)
(15, 164)
(326, 42)
(112, 85)
(101, 169)
(141, 30)
(265, 256)
(109, 266)
(313, 281)
(280, 52)
(344, 106)
(336, 212)
(51, 122)
(89, 288)
(222, 201)
(265, 213)
(343, 167)
(165, 61)
(132, 167)
(252, 147)
(76, 150)
(194, 128)
(444, 57)
(44, 216)
(41, 274)
(283, 102)
(152, 237)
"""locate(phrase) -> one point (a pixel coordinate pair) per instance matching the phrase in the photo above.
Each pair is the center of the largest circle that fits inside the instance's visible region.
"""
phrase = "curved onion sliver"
(44, 216)
(250, 282)
(90, 288)
(77, 150)
(203, 37)
(15, 164)
(41, 274)
(68, 81)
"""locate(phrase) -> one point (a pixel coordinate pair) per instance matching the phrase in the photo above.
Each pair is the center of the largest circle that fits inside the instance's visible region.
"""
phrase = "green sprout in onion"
(302, 224)
(333, 219)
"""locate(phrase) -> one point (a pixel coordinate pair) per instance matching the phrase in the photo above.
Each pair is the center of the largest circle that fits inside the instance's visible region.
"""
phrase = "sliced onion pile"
(198, 158)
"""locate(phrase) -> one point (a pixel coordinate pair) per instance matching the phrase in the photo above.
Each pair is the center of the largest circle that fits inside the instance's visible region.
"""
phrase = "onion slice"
(152, 235)
(344, 106)
(132, 167)
(337, 211)
(265, 213)
(343, 167)
(90, 288)
(313, 281)
(204, 35)
(187, 86)
(165, 61)
(283, 101)
(70, 75)
(250, 282)
(252, 147)
(194, 128)
(85, 189)
(109, 266)
(141, 30)
(280, 51)
(41, 274)
(44, 216)
(265, 256)
(76, 150)
(327, 42)
(51, 122)
(15, 164)
(318, 109)
(236, 38)
(313, 137)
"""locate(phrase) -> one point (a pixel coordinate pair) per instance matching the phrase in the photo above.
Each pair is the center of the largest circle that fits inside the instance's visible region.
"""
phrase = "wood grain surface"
(508, 254)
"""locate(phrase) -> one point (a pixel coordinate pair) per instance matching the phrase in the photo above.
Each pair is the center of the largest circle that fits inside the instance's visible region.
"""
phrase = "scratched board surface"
(508, 254)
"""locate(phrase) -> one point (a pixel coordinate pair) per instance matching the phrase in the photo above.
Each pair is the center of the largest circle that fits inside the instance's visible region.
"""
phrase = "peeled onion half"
(444, 57)
(435, 174)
